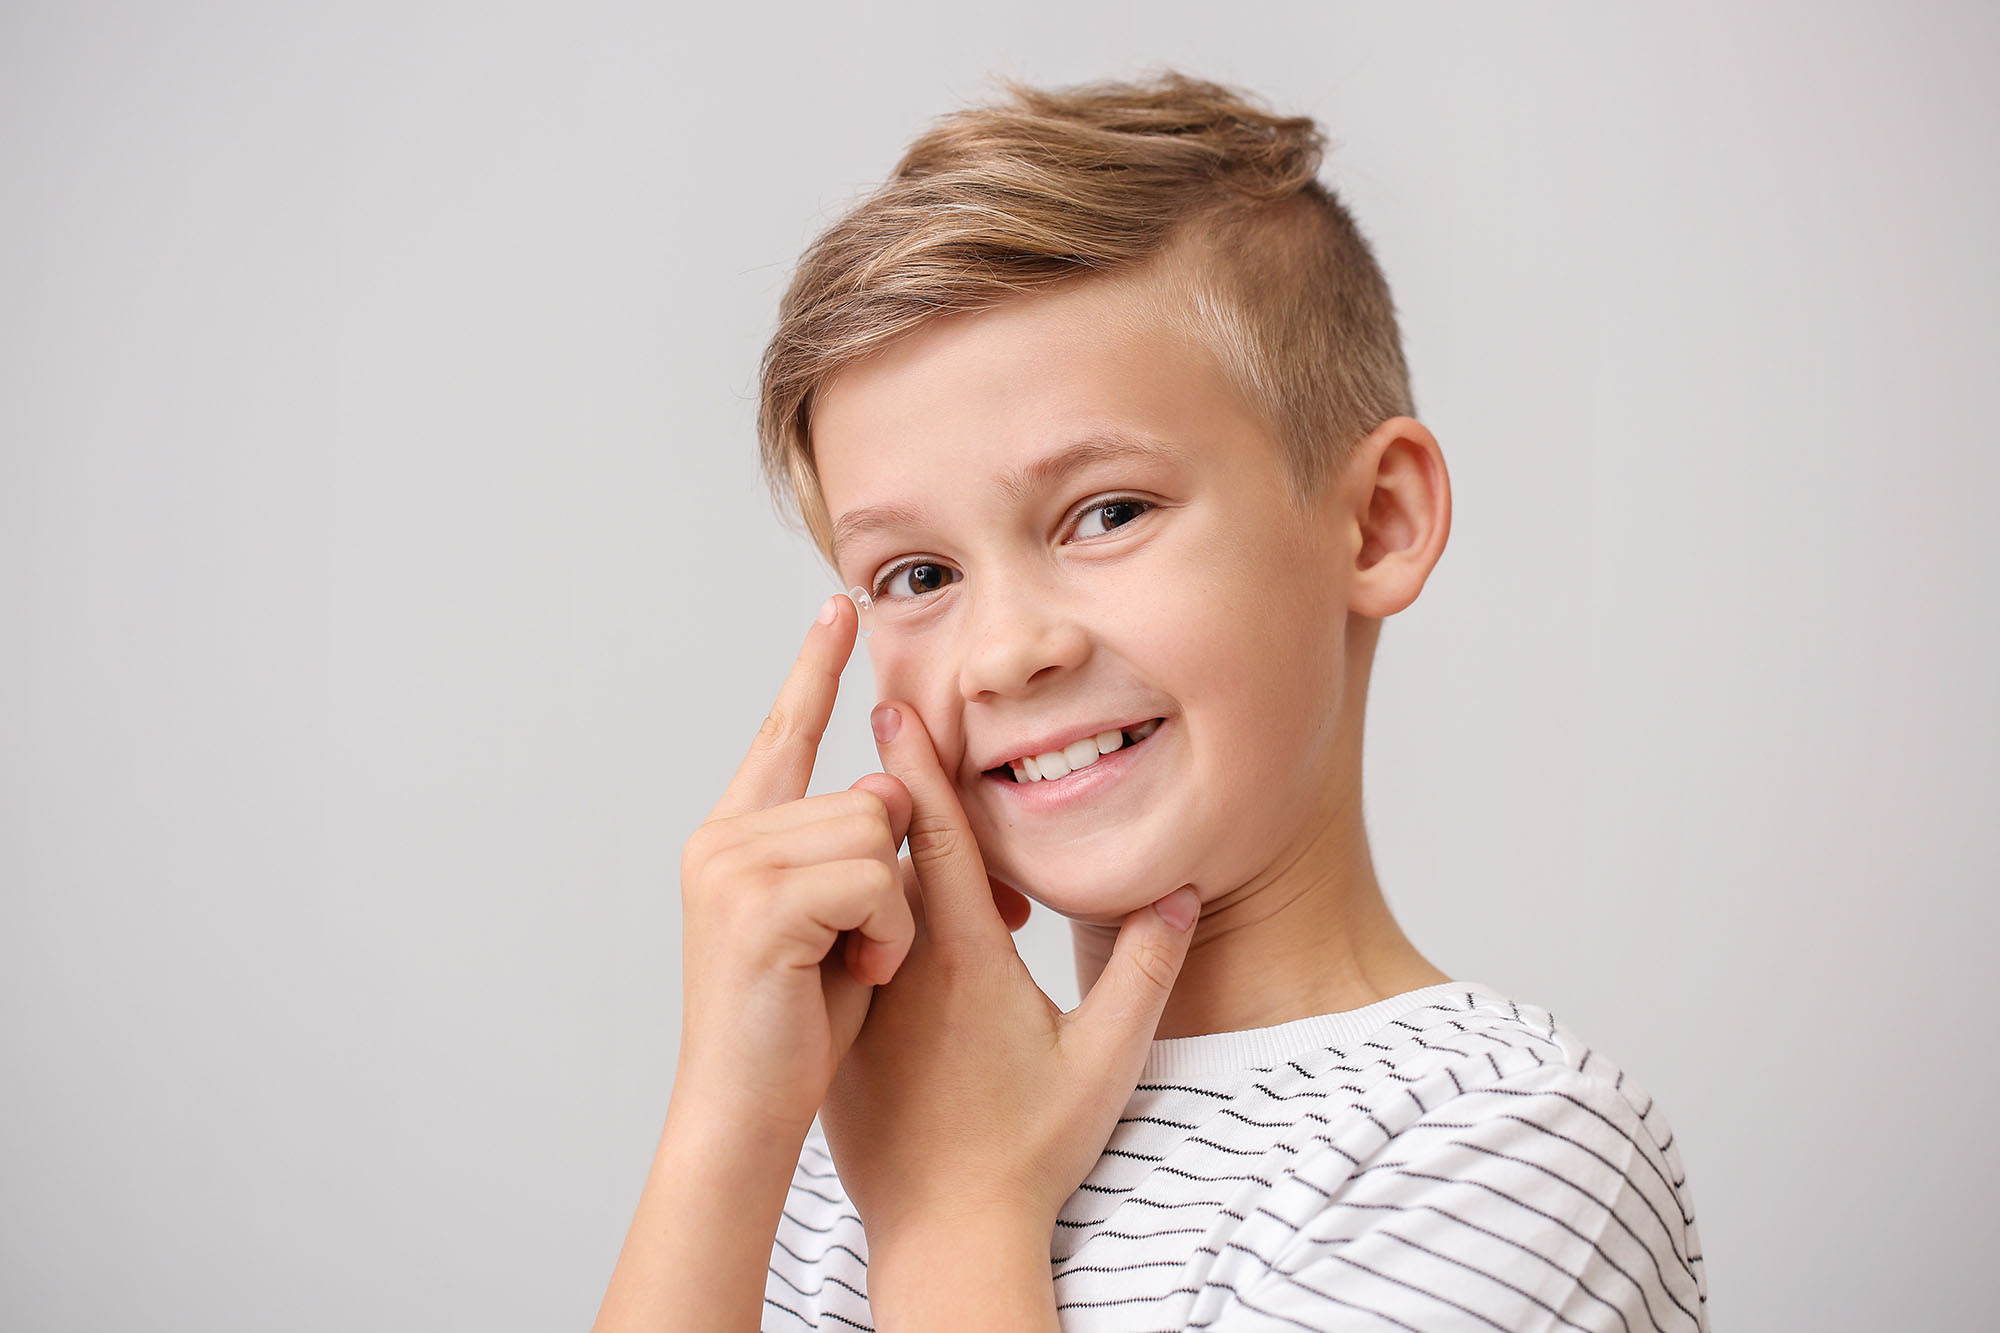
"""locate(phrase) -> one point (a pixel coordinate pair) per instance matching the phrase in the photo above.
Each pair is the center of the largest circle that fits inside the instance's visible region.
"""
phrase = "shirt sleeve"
(1541, 1201)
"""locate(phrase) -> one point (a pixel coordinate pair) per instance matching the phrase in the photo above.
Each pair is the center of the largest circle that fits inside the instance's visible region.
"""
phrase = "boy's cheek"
(904, 674)
(895, 673)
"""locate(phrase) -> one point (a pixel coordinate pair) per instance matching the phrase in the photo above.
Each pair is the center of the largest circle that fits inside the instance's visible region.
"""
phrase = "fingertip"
(895, 797)
(1180, 908)
(837, 614)
(874, 962)
(885, 785)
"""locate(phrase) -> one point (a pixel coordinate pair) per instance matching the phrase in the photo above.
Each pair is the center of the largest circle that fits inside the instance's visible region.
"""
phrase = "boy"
(1100, 407)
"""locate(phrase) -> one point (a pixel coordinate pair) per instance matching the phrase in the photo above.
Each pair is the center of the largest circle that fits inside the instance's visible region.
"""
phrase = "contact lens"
(865, 606)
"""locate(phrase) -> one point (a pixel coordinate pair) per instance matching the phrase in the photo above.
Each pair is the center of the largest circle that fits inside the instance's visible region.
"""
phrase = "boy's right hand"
(768, 885)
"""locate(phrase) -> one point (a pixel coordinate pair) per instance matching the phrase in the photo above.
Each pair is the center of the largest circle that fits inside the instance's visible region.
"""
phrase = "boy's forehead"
(1081, 358)
(1071, 325)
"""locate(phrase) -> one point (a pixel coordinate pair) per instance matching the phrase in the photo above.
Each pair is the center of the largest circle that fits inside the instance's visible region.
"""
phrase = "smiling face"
(1101, 535)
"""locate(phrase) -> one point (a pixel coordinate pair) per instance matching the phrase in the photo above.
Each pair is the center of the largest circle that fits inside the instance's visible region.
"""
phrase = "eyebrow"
(1017, 484)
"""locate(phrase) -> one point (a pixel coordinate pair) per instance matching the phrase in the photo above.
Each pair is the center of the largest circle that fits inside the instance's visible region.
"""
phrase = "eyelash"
(890, 574)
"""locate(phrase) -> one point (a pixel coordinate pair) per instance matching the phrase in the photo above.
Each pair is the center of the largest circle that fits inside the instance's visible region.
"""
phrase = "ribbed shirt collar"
(1218, 1054)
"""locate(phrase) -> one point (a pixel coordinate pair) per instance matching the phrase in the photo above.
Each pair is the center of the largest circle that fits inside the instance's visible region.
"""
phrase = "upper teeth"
(1077, 754)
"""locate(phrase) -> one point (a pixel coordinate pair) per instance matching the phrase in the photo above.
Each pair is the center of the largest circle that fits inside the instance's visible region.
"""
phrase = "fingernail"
(887, 722)
(1179, 908)
(826, 612)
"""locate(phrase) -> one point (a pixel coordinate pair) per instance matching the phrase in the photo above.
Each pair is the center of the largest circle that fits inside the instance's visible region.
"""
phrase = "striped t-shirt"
(1445, 1159)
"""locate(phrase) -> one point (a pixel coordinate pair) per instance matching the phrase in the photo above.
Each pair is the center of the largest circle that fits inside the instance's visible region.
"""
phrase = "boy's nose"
(1015, 631)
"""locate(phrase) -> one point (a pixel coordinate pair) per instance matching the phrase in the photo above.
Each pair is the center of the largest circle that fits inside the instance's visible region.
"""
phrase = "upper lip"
(1056, 740)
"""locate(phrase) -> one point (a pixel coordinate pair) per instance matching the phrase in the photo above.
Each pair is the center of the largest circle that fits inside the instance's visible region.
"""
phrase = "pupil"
(928, 577)
(1117, 505)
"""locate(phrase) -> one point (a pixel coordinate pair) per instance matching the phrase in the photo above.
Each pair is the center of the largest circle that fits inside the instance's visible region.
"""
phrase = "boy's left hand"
(968, 1095)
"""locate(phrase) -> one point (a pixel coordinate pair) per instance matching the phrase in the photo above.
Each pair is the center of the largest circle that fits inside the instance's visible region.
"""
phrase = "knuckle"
(880, 881)
(698, 867)
(868, 805)
(735, 871)
(932, 838)
(859, 830)
(777, 728)
(1155, 963)
(702, 844)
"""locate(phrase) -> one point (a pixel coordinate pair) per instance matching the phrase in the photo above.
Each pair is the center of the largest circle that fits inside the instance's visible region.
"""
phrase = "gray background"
(386, 593)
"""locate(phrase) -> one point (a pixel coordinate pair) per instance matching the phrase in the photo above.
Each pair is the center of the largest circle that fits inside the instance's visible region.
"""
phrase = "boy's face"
(1043, 611)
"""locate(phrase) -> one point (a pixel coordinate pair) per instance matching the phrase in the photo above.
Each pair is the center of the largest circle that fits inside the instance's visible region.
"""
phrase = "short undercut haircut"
(1212, 202)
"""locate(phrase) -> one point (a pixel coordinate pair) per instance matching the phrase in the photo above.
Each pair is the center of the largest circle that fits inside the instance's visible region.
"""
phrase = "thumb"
(894, 795)
(959, 907)
(1123, 1007)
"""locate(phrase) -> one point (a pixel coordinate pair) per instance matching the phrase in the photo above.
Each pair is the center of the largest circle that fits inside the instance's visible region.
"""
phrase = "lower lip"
(1084, 784)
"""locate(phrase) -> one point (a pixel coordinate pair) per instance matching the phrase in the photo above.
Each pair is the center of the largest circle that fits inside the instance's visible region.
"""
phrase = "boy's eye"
(1125, 511)
(915, 579)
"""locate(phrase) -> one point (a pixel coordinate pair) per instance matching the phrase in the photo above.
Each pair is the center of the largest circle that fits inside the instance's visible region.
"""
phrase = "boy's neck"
(1315, 937)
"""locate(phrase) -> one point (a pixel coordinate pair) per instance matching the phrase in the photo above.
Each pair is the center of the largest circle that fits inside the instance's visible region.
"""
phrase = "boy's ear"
(1395, 502)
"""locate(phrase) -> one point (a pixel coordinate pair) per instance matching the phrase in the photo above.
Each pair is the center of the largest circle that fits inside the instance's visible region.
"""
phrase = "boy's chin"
(1087, 900)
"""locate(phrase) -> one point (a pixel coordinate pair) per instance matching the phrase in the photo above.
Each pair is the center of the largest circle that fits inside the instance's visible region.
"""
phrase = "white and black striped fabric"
(1444, 1160)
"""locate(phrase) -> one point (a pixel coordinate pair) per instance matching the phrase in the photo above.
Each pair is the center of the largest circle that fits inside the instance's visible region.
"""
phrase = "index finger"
(780, 762)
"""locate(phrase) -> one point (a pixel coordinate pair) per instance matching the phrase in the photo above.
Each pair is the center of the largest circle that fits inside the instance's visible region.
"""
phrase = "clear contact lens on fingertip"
(864, 605)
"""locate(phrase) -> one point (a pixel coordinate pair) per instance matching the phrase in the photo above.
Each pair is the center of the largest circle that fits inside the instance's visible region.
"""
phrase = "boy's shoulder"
(1456, 1038)
(1333, 1091)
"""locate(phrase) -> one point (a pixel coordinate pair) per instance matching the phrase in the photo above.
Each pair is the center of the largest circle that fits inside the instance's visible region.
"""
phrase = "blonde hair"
(1215, 199)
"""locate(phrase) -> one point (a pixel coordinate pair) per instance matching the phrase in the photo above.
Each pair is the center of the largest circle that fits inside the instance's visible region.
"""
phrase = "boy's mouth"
(1079, 755)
